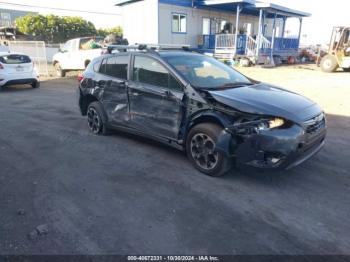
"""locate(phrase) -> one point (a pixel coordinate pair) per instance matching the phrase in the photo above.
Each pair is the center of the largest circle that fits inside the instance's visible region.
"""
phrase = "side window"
(96, 66)
(149, 71)
(103, 66)
(117, 66)
(179, 23)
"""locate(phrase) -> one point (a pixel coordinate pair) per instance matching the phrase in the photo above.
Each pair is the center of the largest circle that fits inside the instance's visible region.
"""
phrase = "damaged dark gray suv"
(206, 108)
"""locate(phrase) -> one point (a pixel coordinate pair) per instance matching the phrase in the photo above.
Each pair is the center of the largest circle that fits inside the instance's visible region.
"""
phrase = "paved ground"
(126, 195)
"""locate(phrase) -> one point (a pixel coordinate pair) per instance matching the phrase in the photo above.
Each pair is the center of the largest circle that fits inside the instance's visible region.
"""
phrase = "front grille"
(315, 124)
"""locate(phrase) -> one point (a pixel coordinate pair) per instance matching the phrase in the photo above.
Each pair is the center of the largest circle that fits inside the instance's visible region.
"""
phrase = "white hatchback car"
(17, 69)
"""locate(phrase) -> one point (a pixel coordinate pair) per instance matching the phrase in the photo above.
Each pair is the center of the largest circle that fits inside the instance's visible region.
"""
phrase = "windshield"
(206, 72)
(14, 59)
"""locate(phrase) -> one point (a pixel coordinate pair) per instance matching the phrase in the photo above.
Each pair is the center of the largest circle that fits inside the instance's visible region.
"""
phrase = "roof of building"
(251, 7)
(125, 2)
(281, 9)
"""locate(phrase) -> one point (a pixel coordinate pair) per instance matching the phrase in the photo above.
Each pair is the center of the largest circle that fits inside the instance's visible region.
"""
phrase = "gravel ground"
(66, 191)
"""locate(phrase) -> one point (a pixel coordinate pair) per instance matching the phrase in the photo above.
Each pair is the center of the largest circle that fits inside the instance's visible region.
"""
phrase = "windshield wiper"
(229, 85)
(236, 84)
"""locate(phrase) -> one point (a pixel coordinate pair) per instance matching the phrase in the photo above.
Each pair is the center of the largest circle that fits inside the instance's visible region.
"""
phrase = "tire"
(346, 69)
(97, 119)
(35, 84)
(329, 64)
(202, 155)
(59, 71)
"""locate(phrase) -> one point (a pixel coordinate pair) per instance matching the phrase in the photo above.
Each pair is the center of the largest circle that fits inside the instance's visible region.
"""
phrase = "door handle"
(166, 92)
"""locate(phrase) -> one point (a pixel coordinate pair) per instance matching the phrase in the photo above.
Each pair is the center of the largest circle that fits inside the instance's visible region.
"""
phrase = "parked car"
(17, 69)
(76, 54)
(206, 108)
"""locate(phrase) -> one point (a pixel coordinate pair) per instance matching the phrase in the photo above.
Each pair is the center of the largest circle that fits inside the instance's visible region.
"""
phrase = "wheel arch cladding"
(206, 116)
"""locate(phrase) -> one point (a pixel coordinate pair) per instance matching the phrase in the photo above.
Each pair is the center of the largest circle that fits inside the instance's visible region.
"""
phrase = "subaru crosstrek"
(216, 115)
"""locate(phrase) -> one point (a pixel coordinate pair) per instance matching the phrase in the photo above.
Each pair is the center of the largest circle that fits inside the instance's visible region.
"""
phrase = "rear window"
(15, 59)
(116, 66)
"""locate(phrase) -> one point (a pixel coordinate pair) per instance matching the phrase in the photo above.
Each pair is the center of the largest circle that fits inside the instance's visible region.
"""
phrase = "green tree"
(55, 29)
(35, 25)
(107, 31)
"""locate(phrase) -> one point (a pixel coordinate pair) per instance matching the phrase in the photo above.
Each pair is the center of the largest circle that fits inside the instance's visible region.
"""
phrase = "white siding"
(194, 23)
(140, 22)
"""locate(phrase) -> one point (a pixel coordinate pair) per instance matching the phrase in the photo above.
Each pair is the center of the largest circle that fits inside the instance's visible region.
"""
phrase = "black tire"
(35, 84)
(59, 71)
(329, 64)
(203, 157)
(346, 69)
(97, 119)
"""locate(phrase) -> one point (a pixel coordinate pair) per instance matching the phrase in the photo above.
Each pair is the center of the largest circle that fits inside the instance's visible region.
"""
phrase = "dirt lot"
(125, 195)
(331, 91)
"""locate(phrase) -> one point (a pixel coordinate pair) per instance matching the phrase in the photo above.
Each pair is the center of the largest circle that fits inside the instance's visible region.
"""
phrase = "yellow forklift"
(339, 51)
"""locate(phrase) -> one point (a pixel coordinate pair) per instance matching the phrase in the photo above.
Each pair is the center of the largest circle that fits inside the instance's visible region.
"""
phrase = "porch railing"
(225, 41)
(217, 41)
(246, 45)
(285, 43)
(251, 46)
(265, 43)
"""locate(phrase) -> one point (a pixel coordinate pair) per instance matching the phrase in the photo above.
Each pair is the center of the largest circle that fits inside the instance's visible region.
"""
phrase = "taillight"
(1, 66)
(80, 78)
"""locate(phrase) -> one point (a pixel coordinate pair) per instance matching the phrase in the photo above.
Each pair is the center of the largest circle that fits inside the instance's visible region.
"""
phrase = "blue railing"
(280, 44)
(208, 42)
(241, 44)
(285, 43)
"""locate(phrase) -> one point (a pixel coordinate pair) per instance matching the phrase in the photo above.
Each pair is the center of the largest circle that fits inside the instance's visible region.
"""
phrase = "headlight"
(276, 122)
(256, 126)
(269, 124)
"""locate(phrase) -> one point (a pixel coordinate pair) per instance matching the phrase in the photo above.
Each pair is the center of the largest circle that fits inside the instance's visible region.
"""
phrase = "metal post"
(273, 38)
(238, 10)
(284, 25)
(258, 42)
(301, 23)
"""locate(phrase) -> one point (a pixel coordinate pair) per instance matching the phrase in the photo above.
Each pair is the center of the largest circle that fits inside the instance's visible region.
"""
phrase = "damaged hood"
(264, 99)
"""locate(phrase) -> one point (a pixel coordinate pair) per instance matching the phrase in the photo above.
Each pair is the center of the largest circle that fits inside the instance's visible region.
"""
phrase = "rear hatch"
(16, 64)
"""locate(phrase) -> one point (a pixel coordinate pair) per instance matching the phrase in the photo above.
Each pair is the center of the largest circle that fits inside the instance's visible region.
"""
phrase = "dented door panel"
(115, 98)
(154, 109)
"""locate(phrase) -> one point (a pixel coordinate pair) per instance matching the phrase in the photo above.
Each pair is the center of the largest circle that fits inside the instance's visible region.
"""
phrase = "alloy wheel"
(203, 151)
(94, 120)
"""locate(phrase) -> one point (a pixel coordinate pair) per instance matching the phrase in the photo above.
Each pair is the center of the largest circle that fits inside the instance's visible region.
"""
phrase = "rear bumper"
(18, 81)
(15, 79)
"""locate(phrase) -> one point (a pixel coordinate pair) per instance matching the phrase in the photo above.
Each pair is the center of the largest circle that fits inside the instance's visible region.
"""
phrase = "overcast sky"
(316, 29)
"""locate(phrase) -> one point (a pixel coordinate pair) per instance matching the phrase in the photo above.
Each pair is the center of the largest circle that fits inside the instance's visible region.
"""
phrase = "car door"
(66, 60)
(113, 75)
(76, 56)
(155, 98)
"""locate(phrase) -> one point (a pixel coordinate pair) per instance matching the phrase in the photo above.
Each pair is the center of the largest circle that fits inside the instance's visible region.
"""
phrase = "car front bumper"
(272, 149)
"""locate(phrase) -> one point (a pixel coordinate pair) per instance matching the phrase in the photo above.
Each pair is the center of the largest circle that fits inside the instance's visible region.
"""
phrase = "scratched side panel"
(115, 98)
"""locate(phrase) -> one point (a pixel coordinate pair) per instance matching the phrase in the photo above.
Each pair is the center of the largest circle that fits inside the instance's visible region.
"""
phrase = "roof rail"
(147, 47)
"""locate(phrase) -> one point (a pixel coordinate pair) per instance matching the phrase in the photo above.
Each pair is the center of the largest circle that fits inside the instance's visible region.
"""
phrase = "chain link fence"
(36, 50)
